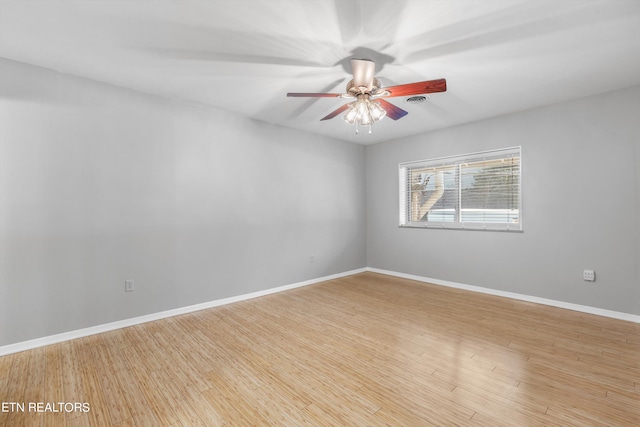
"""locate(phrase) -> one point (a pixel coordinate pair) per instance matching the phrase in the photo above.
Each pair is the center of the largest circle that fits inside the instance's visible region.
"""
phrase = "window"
(479, 191)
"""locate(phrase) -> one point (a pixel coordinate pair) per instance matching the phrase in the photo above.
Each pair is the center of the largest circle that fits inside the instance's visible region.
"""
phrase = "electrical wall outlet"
(589, 275)
(312, 259)
(128, 285)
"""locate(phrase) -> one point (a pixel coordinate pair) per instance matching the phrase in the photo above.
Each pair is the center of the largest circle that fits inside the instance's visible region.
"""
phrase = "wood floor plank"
(157, 402)
(132, 394)
(92, 388)
(233, 401)
(367, 349)
(111, 388)
(180, 404)
(53, 389)
(6, 368)
(72, 385)
(16, 383)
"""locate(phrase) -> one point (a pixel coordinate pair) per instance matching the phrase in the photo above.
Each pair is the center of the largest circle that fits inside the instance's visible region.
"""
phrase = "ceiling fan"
(369, 105)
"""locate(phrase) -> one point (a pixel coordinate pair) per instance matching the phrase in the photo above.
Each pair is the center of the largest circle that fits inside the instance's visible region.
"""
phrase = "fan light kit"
(369, 107)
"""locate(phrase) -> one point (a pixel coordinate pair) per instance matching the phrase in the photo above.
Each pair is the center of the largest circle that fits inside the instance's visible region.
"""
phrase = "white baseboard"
(65, 336)
(52, 339)
(560, 304)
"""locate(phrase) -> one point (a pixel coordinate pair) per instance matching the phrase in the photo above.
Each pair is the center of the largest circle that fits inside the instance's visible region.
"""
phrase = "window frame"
(457, 162)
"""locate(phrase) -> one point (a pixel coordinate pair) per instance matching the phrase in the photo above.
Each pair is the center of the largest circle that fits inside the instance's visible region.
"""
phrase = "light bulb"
(351, 114)
(377, 112)
(362, 108)
(364, 112)
(366, 119)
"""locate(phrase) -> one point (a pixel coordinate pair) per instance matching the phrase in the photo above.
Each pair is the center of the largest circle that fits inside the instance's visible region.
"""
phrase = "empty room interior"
(323, 213)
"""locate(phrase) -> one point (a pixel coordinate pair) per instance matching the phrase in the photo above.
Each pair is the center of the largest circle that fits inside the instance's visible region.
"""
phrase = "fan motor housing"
(355, 91)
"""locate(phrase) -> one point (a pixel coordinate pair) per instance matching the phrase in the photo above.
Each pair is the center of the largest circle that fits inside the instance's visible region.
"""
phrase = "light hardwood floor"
(364, 350)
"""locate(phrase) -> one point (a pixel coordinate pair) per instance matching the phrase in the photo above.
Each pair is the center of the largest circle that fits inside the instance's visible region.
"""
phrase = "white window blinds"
(479, 191)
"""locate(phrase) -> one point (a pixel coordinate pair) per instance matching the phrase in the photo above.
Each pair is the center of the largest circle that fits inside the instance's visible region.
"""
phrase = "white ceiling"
(498, 56)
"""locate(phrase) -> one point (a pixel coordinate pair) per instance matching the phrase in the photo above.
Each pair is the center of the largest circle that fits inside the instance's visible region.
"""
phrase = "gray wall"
(581, 196)
(100, 184)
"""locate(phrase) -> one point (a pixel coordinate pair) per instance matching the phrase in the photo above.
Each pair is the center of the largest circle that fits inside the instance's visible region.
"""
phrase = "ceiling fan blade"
(314, 95)
(393, 112)
(335, 112)
(429, 86)
(363, 70)
(308, 102)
